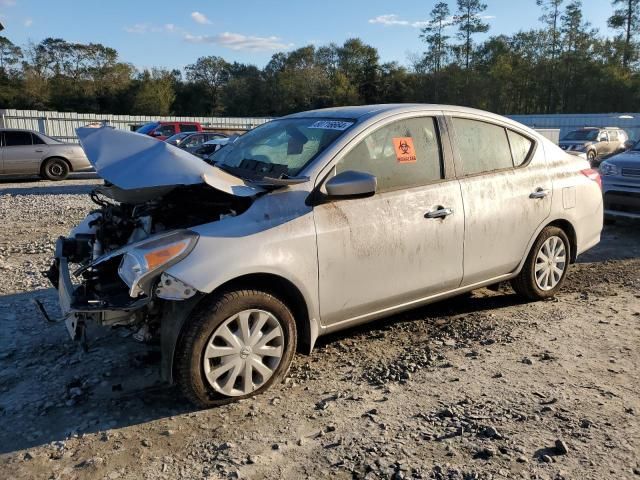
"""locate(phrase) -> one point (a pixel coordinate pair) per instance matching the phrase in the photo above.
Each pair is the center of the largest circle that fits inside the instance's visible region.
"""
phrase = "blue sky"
(173, 34)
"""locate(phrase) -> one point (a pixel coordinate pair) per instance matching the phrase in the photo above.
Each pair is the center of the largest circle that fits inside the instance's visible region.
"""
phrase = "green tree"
(469, 23)
(156, 93)
(627, 20)
(211, 73)
(434, 35)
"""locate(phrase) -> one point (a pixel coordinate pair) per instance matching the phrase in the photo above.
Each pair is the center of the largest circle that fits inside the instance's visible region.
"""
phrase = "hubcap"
(55, 169)
(243, 353)
(551, 262)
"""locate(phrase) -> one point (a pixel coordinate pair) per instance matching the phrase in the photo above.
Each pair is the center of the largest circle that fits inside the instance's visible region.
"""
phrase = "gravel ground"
(479, 387)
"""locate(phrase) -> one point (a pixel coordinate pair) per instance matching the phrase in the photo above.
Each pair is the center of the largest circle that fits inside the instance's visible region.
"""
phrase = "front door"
(20, 155)
(506, 190)
(385, 251)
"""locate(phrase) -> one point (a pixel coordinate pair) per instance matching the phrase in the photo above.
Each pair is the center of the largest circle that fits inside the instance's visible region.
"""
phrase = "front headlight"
(607, 168)
(145, 260)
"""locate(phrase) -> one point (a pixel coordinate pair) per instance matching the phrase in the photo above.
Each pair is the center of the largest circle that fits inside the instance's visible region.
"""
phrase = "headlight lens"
(145, 260)
(607, 168)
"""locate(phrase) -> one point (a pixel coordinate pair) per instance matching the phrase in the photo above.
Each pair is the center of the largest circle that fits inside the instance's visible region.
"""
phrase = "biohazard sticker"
(405, 153)
(331, 125)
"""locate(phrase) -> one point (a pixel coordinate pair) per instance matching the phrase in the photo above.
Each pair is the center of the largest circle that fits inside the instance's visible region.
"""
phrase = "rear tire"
(55, 169)
(222, 355)
(546, 266)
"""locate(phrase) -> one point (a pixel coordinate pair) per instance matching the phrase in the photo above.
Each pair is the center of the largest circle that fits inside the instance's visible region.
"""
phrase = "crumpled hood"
(133, 161)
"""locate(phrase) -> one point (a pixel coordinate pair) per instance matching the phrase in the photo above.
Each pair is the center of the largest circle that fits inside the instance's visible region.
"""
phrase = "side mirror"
(351, 184)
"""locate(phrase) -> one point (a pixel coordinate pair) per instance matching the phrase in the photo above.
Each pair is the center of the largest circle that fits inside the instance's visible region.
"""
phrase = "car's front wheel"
(234, 346)
(55, 169)
(546, 265)
(592, 155)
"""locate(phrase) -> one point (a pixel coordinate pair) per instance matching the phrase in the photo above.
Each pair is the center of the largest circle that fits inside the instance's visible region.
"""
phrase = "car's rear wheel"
(546, 265)
(234, 346)
(55, 169)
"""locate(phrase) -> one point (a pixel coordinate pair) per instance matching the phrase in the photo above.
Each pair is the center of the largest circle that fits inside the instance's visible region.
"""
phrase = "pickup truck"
(163, 130)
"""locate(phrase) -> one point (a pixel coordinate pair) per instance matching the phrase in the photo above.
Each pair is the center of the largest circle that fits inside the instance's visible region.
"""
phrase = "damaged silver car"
(313, 223)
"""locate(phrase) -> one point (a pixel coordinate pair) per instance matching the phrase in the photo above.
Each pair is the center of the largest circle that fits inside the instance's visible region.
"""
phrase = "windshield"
(581, 135)
(280, 148)
(636, 146)
(147, 127)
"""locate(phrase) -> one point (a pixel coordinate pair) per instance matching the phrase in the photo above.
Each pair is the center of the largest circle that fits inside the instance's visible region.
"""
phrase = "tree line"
(563, 66)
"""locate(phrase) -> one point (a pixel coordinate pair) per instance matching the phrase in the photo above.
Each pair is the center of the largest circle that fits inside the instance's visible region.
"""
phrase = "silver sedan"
(313, 223)
(25, 152)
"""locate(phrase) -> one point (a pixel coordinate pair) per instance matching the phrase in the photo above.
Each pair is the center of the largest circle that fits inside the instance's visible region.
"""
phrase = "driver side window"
(403, 154)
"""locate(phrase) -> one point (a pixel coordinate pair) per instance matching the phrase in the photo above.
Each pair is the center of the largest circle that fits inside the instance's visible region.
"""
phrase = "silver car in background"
(25, 152)
(313, 223)
(621, 184)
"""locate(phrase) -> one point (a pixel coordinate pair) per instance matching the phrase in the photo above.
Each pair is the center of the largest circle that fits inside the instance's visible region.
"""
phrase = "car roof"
(363, 112)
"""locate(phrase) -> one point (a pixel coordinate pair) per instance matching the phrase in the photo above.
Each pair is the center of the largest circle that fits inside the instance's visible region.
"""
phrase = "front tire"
(546, 266)
(234, 346)
(592, 156)
(55, 169)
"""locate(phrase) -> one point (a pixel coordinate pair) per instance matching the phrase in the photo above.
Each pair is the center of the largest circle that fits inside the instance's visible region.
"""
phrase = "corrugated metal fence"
(629, 122)
(62, 125)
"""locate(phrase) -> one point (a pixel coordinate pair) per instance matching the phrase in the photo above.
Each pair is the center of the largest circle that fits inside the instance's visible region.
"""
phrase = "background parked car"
(25, 152)
(207, 149)
(621, 184)
(195, 140)
(595, 142)
(177, 138)
(163, 130)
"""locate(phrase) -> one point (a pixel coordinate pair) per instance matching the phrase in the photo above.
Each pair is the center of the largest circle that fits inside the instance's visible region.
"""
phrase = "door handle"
(439, 212)
(539, 193)
(39, 151)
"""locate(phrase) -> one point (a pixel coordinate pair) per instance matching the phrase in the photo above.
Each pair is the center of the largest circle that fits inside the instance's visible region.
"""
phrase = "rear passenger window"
(520, 147)
(402, 154)
(613, 136)
(167, 130)
(483, 146)
(36, 139)
(17, 139)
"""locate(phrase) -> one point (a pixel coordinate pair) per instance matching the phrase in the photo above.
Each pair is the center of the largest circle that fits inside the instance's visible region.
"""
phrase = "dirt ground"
(479, 387)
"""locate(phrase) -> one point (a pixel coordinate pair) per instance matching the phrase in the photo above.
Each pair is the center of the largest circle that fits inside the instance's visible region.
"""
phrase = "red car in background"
(163, 130)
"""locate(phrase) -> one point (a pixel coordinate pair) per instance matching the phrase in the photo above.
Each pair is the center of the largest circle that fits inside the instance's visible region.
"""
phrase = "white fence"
(62, 125)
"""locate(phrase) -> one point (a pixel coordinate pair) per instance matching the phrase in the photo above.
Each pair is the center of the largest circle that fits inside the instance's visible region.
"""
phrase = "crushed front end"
(111, 268)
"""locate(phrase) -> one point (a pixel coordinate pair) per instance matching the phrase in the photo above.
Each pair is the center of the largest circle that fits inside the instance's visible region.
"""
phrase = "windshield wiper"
(278, 182)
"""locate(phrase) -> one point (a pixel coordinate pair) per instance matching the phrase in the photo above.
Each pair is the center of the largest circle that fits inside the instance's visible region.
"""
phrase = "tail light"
(593, 174)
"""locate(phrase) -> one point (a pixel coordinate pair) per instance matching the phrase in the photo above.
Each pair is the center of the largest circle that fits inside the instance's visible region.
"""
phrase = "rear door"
(506, 190)
(384, 251)
(20, 155)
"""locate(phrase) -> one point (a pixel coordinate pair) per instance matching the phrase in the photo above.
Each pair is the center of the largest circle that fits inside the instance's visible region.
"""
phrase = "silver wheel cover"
(242, 354)
(551, 262)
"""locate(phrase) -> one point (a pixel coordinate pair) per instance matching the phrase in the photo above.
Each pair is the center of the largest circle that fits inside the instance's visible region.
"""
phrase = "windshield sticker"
(405, 153)
(331, 125)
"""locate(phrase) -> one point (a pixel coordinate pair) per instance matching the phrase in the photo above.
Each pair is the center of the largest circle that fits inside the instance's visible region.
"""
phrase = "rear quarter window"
(521, 147)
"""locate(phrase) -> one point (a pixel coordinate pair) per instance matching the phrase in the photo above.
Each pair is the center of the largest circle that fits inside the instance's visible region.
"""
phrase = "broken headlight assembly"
(142, 262)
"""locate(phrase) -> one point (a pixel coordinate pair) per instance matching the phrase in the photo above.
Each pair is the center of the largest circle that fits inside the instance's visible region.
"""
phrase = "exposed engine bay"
(118, 278)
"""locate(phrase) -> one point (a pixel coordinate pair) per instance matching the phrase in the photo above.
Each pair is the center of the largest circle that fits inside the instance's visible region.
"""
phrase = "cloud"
(141, 28)
(237, 41)
(28, 22)
(393, 20)
(200, 18)
(390, 19)
(7, 3)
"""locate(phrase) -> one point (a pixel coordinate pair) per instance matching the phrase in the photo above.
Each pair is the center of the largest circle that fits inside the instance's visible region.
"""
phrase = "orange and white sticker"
(405, 153)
